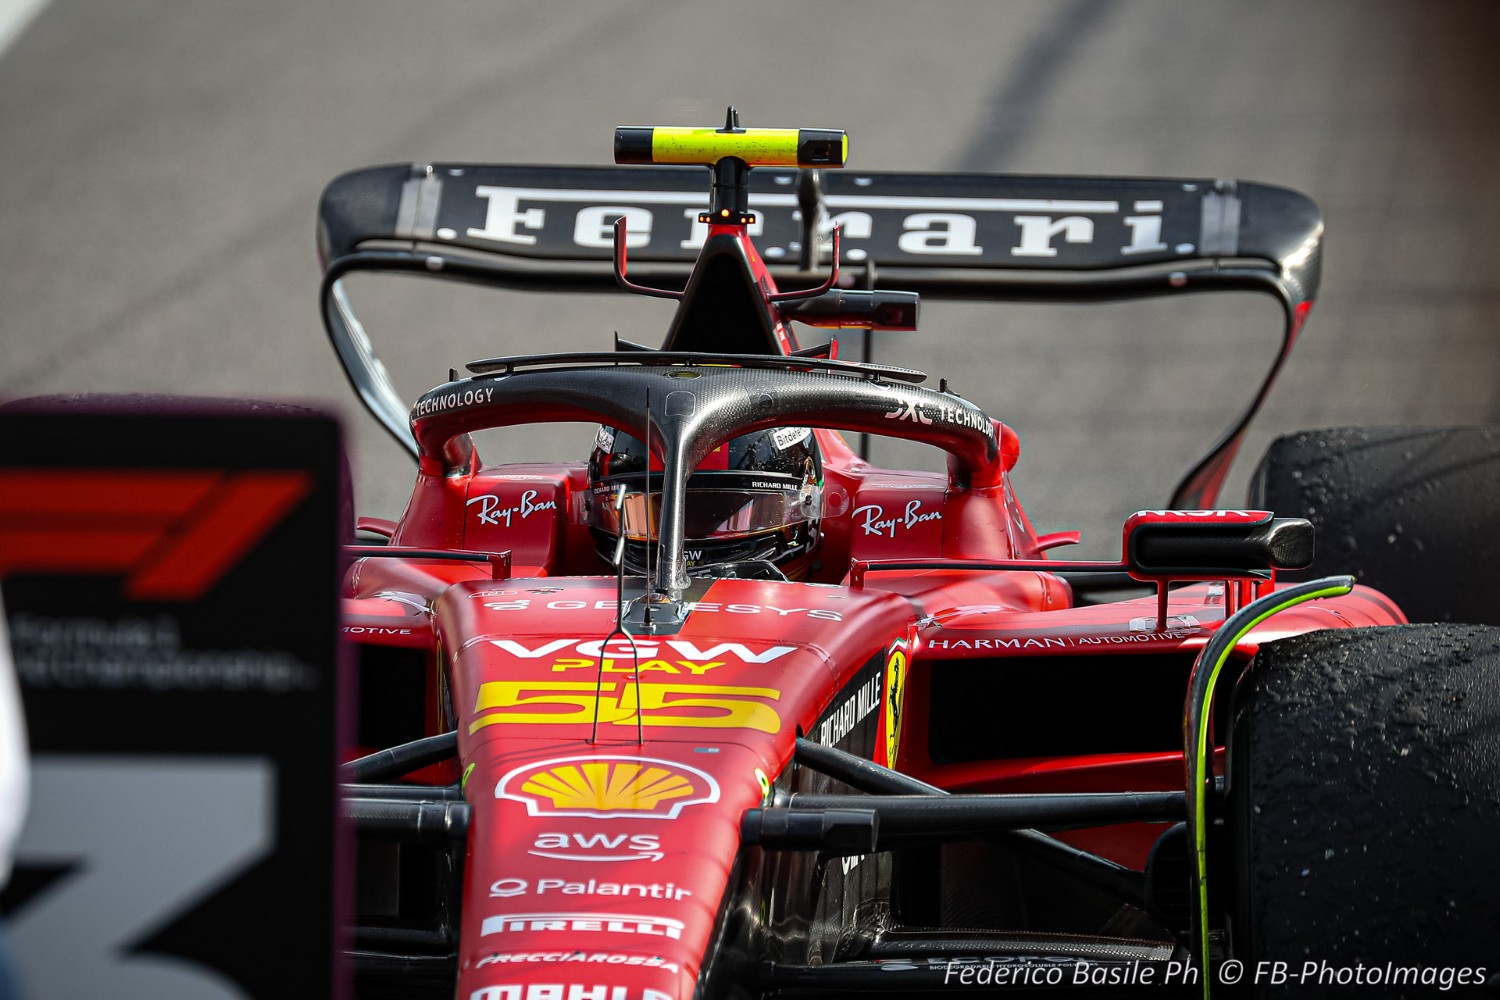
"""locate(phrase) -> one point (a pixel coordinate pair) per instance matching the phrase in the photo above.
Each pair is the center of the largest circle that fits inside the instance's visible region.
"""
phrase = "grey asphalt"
(160, 165)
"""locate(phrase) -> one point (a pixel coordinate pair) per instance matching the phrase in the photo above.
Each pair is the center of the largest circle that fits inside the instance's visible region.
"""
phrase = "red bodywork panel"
(624, 849)
(607, 777)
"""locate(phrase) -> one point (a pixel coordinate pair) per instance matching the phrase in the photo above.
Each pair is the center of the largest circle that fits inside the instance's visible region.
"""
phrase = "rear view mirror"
(1212, 544)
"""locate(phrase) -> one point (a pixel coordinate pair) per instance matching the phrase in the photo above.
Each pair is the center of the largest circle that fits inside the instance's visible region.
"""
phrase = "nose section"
(598, 872)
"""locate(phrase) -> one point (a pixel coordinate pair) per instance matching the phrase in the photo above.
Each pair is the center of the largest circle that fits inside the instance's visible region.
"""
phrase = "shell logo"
(607, 786)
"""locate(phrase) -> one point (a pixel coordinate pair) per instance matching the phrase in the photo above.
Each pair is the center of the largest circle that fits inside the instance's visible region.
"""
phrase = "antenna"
(650, 519)
(620, 629)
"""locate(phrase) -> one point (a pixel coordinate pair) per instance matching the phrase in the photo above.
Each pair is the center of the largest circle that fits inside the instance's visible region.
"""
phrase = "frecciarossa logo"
(605, 786)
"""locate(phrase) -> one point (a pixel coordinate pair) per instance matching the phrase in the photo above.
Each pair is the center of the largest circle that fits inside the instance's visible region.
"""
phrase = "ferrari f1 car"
(728, 711)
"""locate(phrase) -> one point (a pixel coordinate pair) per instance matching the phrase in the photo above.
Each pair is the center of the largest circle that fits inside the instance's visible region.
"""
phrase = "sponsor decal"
(507, 887)
(632, 666)
(604, 440)
(373, 630)
(607, 787)
(909, 410)
(693, 607)
(504, 888)
(942, 413)
(444, 401)
(569, 846)
(490, 511)
(589, 957)
(603, 923)
(1029, 642)
(564, 991)
(787, 437)
(876, 523)
(1176, 623)
(853, 710)
(608, 703)
(895, 697)
(643, 647)
(946, 226)
(1122, 640)
(1061, 642)
(850, 862)
(1206, 515)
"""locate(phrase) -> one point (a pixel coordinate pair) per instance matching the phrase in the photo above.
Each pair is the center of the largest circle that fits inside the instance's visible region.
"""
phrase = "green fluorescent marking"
(1205, 751)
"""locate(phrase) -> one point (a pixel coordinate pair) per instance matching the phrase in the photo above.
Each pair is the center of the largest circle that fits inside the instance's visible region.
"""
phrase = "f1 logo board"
(170, 574)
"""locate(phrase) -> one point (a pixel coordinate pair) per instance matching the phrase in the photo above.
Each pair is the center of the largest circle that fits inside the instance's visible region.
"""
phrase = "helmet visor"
(710, 513)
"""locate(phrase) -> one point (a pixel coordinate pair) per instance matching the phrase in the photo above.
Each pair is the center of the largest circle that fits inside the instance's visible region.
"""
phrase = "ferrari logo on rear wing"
(976, 220)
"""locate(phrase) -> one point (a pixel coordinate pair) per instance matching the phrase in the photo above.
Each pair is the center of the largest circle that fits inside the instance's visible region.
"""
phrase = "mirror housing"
(1214, 544)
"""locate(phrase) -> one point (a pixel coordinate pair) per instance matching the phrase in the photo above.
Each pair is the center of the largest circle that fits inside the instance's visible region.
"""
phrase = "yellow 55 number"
(561, 702)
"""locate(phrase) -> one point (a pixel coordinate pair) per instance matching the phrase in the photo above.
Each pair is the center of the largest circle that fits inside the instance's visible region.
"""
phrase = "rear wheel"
(1364, 800)
(1410, 511)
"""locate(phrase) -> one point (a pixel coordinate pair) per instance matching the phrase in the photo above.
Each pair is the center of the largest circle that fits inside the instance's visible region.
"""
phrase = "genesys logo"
(565, 991)
(691, 607)
(607, 786)
(601, 923)
(567, 846)
(505, 888)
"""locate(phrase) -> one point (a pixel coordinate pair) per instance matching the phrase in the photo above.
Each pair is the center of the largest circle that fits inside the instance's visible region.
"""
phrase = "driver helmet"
(752, 506)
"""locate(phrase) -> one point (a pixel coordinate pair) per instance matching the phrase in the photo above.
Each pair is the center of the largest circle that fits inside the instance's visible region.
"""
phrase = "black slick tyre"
(1364, 810)
(1411, 511)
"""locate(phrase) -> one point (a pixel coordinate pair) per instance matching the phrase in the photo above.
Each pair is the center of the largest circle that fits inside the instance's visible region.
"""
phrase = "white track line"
(15, 15)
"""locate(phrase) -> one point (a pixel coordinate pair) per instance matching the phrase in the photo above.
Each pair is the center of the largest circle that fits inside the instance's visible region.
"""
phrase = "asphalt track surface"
(160, 165)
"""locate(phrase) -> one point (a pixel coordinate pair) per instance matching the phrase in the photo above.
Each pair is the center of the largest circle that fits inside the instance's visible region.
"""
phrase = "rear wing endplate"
(966, 236)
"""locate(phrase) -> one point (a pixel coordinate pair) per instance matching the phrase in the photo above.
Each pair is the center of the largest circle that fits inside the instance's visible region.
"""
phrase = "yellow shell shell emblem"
(640, 787)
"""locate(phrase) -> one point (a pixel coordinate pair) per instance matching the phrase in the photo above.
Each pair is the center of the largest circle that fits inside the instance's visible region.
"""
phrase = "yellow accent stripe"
(758, 147)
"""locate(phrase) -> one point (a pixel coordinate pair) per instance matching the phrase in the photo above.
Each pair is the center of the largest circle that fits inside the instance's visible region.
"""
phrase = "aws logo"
(607, 786)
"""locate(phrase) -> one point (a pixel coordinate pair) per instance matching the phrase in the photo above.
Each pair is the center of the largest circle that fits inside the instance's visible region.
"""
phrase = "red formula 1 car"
(727, 711)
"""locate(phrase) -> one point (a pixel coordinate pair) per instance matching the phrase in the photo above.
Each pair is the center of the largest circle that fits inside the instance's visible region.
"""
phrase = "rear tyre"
(1409, 511)
(1364, 800)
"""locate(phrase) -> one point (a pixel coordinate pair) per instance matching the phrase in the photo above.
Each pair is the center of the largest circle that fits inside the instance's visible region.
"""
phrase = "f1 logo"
(172, 533)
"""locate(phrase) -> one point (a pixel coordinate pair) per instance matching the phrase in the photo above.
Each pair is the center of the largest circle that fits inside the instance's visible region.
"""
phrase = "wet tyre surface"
(1410, 511)
(1365, 802)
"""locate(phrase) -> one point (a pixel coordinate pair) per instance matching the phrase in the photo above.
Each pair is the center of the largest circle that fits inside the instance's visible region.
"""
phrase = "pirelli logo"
(172, 534)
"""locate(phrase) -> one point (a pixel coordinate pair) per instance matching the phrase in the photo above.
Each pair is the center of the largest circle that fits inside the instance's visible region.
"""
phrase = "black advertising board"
(170, 570)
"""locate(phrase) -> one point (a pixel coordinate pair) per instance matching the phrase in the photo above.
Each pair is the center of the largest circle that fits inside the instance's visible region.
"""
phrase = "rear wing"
(966, 236)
